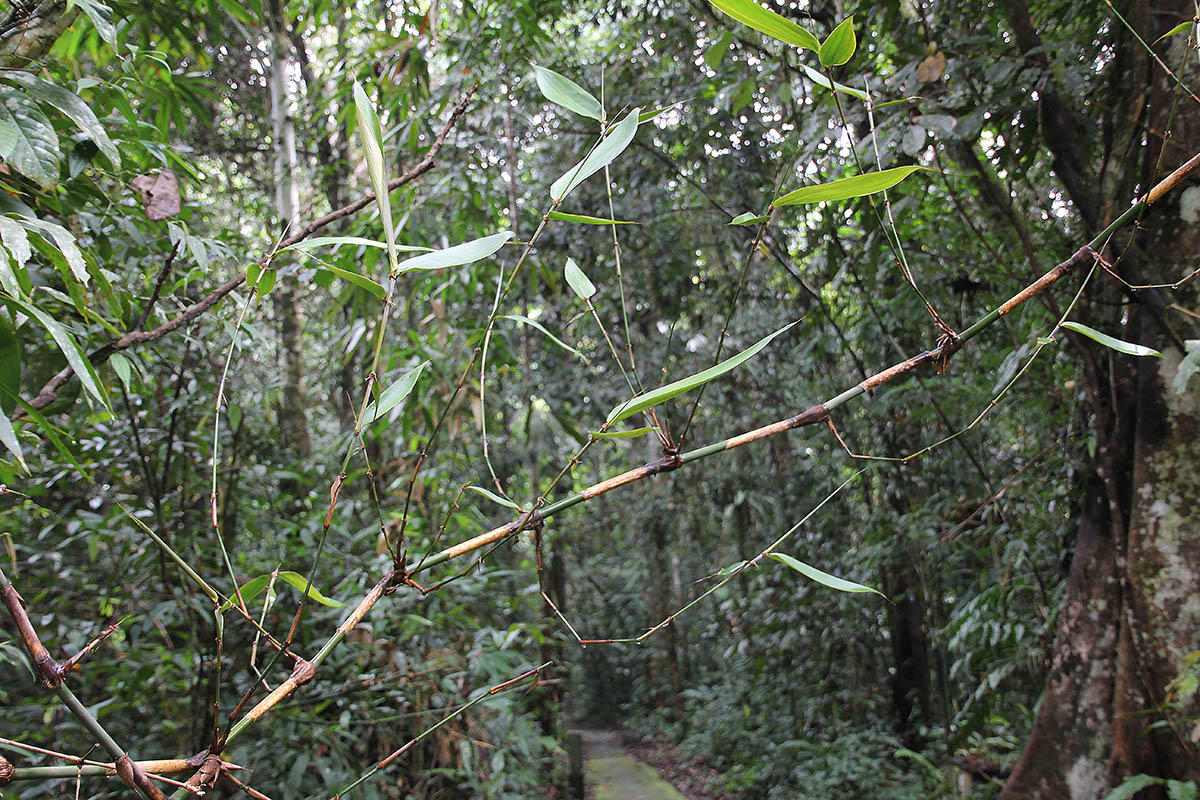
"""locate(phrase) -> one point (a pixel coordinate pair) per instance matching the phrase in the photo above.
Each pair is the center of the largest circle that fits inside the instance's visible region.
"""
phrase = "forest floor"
(614, 770)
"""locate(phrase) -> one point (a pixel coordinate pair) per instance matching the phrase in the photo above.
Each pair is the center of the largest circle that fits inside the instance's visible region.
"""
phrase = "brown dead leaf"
(160, 194)
(932, 67)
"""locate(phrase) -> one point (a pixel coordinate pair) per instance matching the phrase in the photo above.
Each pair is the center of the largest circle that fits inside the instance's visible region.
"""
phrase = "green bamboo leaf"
(457, 255)
(749, 218)
(633, 434)
(8, 437)
(70, 105)
(1182, 27)
(636, 405)
(838, 47)
(832, 581)
(254, 587)
(122, 367)
(64, 240)
(762, 20)
(27, 139)
(605, 153)
(578, 282)
(10, 367)
(495, 498)
(266, 282)
(1121, 346)
(844, 189)
(394, 394)
(822, 80)
(334, 241)
(646, 116)
(69, 347)
(586, 220)
(361, 281)
(535, 324)
(565, 92)
(371, 133)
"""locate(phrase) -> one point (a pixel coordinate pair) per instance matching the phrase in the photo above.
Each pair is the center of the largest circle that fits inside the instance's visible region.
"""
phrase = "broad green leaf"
(1121, 346)
(69, 347)
(27, 139)
(10, 367)
(604, 154)
(457, 255)
(495, 498)
(838, 47)
(578, 282)
(253, 273)
(762, 20)
(394, 394)
(633, 434)
(64, 240)
(8, 437)
(1182, 27)
(71, 105)
(716, 53)
(832, 581)
(636, 405)
(254, 587)
(361, 281)
(334, 241)
(844, 189)
(749, 218)
(122, 367)
(101, 17)
(266, 282)
(372, 138)
(565, 92)
(535, 324)
(15, 240)
(1132, 785)
(822, 80)
(586, 220)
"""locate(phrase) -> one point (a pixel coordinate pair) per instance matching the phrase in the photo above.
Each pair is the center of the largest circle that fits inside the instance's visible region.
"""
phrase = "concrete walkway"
(612, 774)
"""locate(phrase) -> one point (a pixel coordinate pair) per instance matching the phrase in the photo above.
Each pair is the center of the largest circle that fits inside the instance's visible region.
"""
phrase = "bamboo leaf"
(64, 240)
(122, 367)
(371, 134)
(27, 139)
(1121, 346)
(255, 586)
(822, 80)
(361, 281)
(636, 405)
(394, 394)
(69, 347)
(563, 91)
(846, 188)
(70, 105)
(633, 434)
(8, 437)
(1182, 27)
(749, 218)
(762, 20)
(605, 153)
(457, 255)
(838, 47)
(535, 324)
(586, 220)
(824, 578)
(578, 282)
(495, 498)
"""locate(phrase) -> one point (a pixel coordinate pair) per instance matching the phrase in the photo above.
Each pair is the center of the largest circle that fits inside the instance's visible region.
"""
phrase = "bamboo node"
(8, 772)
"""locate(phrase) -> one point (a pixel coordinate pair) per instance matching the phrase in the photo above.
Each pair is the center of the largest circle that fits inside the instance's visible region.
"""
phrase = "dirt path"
(612, 774)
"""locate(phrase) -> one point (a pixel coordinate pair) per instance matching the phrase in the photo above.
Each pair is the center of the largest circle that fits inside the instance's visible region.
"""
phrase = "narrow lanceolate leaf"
(822, 80)
(846, 188)
(457, 255)
(832, 581)
(69, 347)
(8, 437)
(254, 587)
(605, 153)
(361, 281)
(495, 498)
(394, 394)
(633, 434)
(371, 134)
(64, 240)
(333, 241)
(636, 405)
(27, 139)
(71, 105)
(578, 282)
(586, 220)
(749, 218)
(762, 20)
(123, 368)
(838, 47)
(565, 92)
(1182, 27)
(535, 324)
(1121, 346)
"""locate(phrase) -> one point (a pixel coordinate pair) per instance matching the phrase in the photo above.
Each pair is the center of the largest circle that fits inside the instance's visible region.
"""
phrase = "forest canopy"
(805, 390)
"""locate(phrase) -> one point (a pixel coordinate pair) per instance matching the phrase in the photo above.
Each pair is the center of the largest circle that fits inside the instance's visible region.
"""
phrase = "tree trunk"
(1131, 614)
